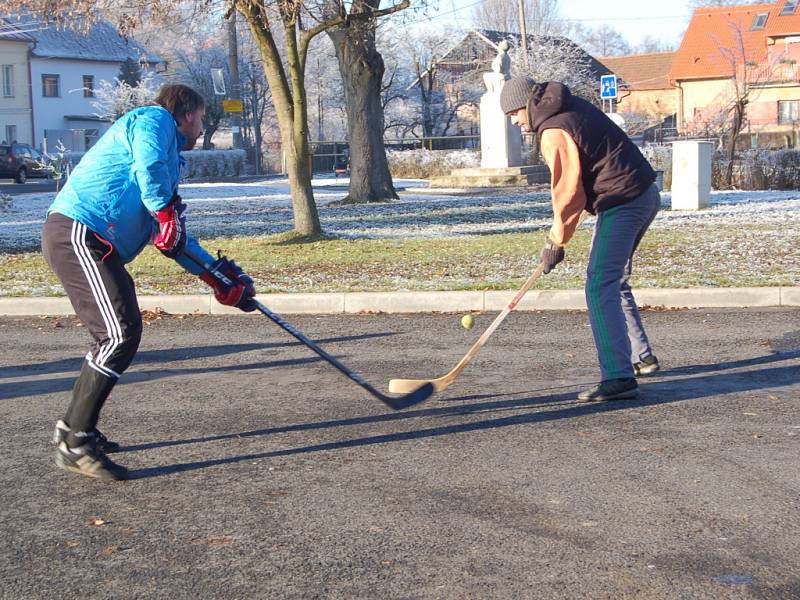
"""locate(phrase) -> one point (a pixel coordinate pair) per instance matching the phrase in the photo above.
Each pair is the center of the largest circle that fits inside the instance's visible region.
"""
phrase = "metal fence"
(329, 156)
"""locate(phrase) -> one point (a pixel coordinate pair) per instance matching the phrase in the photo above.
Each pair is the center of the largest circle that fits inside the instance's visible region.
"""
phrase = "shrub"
(213, 163)
(759, 169)
(660, 158)
(199, 163)
(424, 164)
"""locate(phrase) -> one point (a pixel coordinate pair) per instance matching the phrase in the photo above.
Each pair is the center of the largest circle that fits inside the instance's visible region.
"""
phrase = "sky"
(666, 20)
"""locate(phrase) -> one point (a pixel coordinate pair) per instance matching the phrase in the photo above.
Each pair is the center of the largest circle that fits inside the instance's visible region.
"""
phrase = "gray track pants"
(616, 325)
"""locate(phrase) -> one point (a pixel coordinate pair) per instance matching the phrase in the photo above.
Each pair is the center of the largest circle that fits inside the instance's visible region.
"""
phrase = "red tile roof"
(711, 30)
(641, 71)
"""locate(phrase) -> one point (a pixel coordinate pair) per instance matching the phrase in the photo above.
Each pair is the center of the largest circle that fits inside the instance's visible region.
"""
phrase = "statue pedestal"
(491, 178)
(501, 142)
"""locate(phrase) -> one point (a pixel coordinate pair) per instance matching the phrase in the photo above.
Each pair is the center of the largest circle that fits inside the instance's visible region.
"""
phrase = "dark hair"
(179, 100)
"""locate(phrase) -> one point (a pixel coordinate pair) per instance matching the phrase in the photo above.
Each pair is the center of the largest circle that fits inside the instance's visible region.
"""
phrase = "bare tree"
(557, 59)
(694, 4)
(602, 41)
(745, 72)
(726, 116)
(352, 27)
(541, 16)
(112, 99)
(283, 31)
(197, 64)
(423, 51)
(649, 44)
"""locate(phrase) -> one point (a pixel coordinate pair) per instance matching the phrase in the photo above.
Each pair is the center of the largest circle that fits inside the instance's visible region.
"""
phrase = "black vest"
(612, 168)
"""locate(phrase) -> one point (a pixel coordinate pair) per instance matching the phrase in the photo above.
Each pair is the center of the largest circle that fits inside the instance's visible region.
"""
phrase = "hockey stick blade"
(441, 383)
(414, 396)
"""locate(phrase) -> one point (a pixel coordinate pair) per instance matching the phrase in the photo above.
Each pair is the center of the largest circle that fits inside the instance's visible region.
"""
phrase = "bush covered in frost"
(758, 169)
(761, 170)
(199, 163)
(660, 158)
(423, 164)
(214, 163)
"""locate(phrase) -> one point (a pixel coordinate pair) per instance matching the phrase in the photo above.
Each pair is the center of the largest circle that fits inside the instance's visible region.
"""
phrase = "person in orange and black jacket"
(595, 167)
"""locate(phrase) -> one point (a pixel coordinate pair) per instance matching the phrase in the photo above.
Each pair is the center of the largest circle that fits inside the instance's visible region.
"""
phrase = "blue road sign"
(608, 86)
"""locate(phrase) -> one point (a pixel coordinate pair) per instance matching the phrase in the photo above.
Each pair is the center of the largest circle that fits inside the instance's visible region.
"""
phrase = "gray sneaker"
(90, 461)
(647, 366)
(611, 389)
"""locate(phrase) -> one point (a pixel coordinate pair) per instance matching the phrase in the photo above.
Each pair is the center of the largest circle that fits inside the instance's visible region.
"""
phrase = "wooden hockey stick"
(399, 386)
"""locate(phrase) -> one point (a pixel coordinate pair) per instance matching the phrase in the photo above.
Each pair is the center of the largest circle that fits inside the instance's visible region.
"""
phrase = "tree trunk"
(738, 120)
(290, 110)
(294, 140)
(362, 68)
(208, 133)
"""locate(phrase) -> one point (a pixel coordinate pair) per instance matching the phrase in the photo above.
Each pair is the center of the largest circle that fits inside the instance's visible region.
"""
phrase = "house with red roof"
(643, 85)
(748, 53)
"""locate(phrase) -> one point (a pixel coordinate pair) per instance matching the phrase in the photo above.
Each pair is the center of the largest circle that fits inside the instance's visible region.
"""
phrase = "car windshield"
(4, 150)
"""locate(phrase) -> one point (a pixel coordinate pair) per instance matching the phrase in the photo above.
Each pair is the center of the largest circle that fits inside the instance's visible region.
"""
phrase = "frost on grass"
(742, 237)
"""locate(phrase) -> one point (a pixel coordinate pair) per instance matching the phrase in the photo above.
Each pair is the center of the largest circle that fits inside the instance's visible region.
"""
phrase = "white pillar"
(691, 174)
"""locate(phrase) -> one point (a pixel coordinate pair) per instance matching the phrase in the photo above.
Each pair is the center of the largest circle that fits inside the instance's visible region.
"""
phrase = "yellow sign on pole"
(233, 106)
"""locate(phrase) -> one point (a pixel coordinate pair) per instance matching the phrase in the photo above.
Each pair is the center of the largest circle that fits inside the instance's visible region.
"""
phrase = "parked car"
(21, 161)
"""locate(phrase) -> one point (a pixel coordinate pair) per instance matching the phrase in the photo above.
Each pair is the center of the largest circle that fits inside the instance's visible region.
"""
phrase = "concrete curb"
(411, 302)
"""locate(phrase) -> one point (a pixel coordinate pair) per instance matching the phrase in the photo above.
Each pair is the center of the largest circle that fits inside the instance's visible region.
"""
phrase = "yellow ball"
(467, 321)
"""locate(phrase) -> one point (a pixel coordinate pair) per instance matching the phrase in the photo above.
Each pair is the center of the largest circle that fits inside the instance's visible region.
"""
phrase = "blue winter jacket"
(131, 172)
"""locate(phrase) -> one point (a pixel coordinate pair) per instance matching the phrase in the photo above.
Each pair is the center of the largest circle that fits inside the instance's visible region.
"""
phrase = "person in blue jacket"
(121, 196)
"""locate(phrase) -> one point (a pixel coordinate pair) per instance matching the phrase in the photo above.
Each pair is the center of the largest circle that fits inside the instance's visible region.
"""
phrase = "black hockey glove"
(551, 255)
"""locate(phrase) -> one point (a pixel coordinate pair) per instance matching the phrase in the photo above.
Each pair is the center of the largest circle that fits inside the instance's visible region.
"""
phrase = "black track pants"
(104, 298)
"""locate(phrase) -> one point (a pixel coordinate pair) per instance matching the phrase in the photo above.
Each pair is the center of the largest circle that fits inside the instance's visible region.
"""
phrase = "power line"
(560, 19)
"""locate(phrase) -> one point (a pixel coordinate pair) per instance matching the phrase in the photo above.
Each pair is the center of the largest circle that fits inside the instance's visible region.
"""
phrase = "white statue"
(501, 142)
(501, 69)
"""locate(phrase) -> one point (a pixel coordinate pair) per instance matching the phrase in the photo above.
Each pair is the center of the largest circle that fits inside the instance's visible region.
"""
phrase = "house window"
(759, 21)
(11, 134)
(788, 111)
(90, 137)
(8, 81)
(789, 8)
(88, 86)
(50, 86)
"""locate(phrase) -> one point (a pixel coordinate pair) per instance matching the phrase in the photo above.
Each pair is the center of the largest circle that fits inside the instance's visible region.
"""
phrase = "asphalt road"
(261, 472)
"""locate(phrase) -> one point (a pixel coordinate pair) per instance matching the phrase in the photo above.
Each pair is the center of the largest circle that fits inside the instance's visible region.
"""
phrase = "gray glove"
(551, 255)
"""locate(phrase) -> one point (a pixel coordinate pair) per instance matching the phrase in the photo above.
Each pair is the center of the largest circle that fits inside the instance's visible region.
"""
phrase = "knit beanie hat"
(515, 93)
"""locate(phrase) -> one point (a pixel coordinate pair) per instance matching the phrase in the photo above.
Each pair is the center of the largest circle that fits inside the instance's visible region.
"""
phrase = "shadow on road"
(165, 357)
(557, 406)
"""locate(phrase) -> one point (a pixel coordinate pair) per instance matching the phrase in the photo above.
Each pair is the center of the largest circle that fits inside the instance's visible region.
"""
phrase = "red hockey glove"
(171, 236)
(231, 285)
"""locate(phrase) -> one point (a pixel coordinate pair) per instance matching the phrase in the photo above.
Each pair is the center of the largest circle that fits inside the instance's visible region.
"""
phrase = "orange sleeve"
(560, 152)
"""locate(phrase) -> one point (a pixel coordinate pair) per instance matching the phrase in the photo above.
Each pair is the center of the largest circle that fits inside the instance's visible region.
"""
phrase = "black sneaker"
(611, 389)
(105, 444)
(90, 461)
(648, 366)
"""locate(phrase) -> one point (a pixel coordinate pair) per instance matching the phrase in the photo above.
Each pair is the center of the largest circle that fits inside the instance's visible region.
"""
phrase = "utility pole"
(236, 85)
(320, 105)
(523, 30)
(256, 120)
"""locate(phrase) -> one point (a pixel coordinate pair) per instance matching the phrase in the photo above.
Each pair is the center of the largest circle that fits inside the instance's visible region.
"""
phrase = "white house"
(66, 66)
